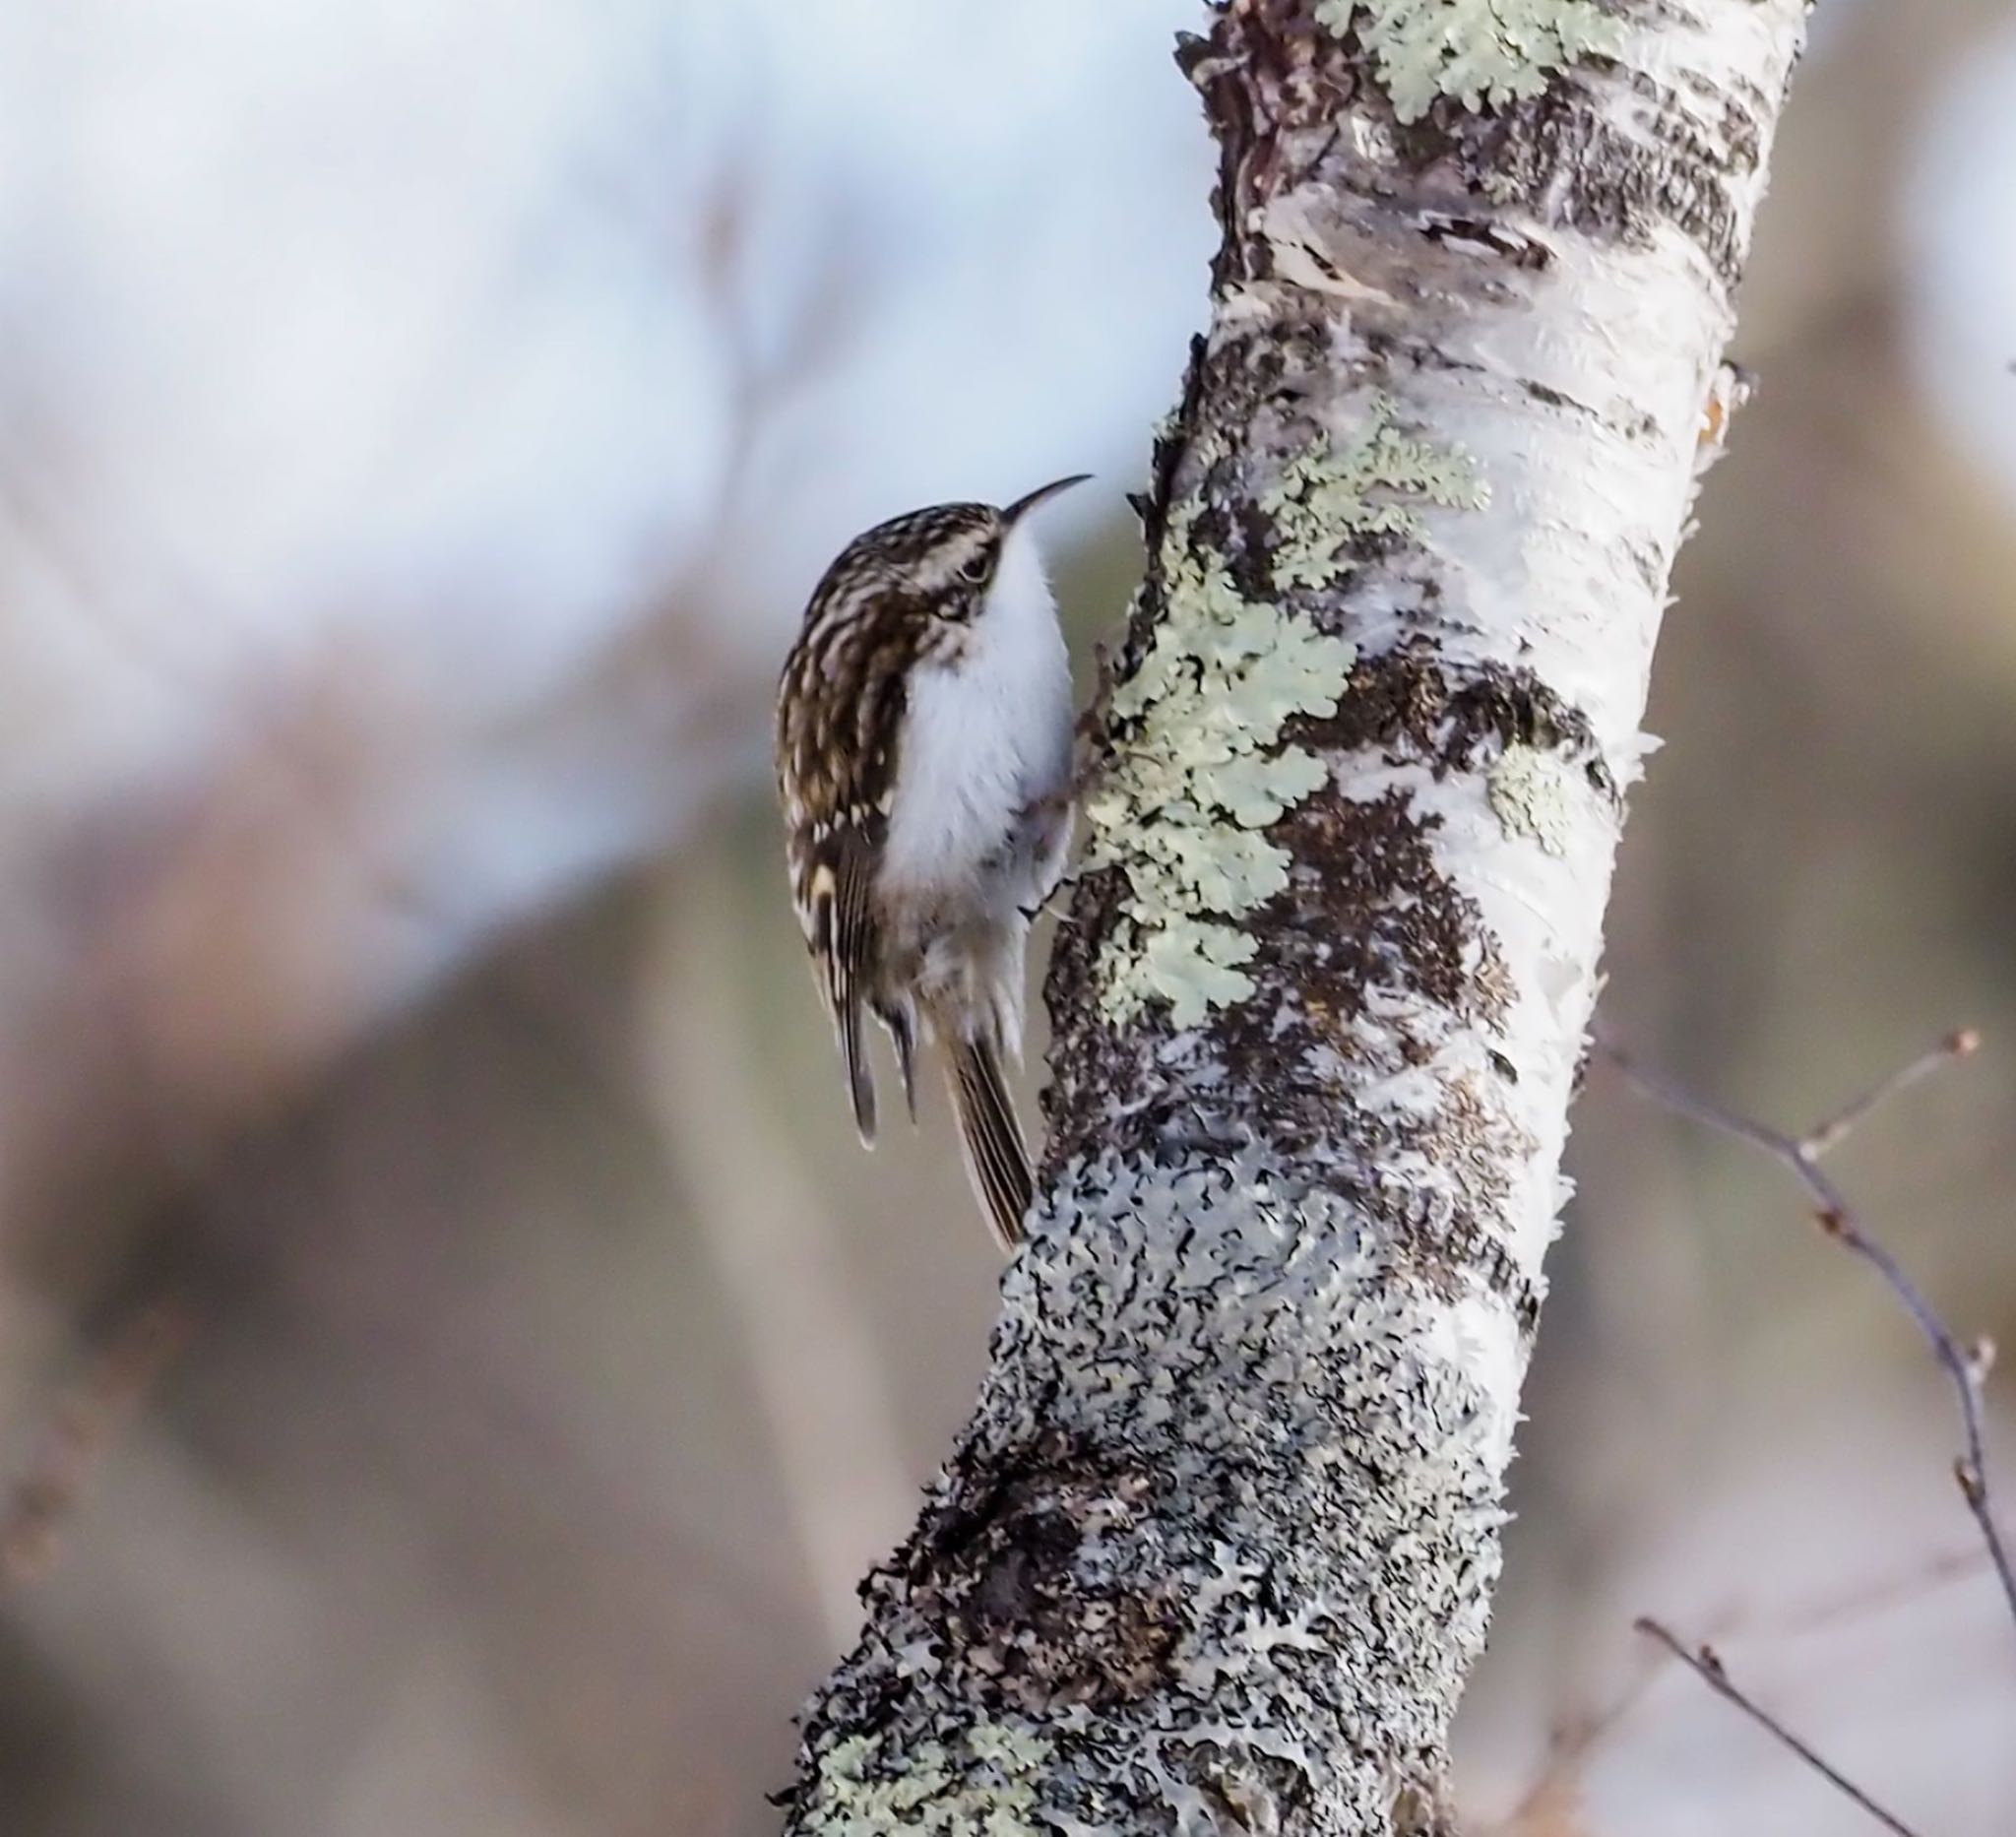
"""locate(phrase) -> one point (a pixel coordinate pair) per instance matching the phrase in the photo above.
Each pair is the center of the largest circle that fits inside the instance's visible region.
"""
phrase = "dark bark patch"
(1273, 79)
(1636, 425)
(1560, 156)
(1371, 909)
(1736, 121)
(1652, 566)
(1368, 912)
(1413, 708)
(1482, 237)
(1422, 1811)
(1452, 1246)
(1009, 1567)
(1099, 1073)
(1467, 1247)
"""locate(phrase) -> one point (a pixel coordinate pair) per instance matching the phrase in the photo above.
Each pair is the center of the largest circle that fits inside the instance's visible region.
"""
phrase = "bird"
(924, 736)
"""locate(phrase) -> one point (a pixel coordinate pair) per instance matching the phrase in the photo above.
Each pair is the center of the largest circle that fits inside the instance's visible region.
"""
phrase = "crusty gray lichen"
(981, 1783)
(1127, 1566)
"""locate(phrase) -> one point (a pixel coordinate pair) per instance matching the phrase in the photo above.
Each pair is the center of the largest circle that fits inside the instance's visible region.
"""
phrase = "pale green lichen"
(1477, 51)
(1201, 717)
(1530, 792)
(982, 1785)
(1325, 498)
(1197, 772)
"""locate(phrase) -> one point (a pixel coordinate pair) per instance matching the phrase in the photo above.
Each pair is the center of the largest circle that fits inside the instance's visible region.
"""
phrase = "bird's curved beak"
(1015, 512)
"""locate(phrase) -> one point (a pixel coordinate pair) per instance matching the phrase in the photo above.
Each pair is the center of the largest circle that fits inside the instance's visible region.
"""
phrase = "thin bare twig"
(1965, 1365)
(1706, 1664)
(1577, 1738)
(1854, 1601)
(1829, 1135)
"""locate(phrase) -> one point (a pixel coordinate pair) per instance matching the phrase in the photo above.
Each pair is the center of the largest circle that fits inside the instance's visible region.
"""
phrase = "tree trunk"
(1216, 1552)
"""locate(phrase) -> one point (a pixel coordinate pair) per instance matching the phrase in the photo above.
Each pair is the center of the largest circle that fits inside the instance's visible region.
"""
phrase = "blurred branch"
(818, 1373)
(1706, 1664)
(1575, 1739)
(1965, 1365)
(82, 1430)
(1870, 1597)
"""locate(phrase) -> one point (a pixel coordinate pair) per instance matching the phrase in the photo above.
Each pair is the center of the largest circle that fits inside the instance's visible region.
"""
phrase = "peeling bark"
(1216, 1552)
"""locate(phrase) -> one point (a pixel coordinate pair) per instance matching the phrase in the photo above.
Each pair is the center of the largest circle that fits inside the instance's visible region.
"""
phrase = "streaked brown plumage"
(924, 740)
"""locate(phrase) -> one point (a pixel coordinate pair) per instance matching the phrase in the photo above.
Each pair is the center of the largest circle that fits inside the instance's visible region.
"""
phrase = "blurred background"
(454, 1362)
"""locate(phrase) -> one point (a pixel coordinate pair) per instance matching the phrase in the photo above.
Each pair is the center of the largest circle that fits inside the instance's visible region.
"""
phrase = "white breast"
(984, 739)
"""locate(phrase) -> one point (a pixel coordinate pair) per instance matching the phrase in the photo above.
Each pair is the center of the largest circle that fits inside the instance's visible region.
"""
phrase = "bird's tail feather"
(899, 1018)
(860, 1077)
(996, 1158)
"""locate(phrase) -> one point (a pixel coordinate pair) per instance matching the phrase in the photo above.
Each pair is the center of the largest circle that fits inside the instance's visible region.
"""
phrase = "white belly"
(983, 742)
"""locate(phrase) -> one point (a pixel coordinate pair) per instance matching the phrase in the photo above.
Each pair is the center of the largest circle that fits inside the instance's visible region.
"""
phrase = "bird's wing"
(837, 757)
(835, 908)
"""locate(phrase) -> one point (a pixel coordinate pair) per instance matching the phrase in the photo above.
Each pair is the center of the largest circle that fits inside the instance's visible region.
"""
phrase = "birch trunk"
(1216, 1550)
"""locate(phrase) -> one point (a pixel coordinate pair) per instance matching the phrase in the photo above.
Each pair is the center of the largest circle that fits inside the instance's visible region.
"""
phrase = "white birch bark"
(1216, 1549)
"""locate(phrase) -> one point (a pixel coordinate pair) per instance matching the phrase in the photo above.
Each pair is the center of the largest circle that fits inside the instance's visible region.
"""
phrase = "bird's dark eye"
(978, 570)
